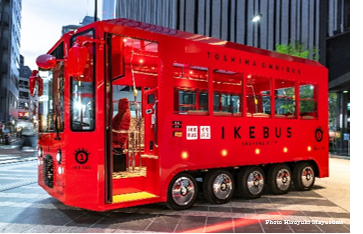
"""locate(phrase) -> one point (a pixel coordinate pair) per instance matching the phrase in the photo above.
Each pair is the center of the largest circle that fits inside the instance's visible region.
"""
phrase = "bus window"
(228, 92)
(285, 105)
(308, 102)
(190, 92)
(186, 102)
(258, 96)
(51, 103)
(83, 93)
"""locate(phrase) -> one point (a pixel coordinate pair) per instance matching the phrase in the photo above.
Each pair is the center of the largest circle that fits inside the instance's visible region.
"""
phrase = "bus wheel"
(303, 176)
(218, 186)
(182, 192)
(279, 178)
(251, 182)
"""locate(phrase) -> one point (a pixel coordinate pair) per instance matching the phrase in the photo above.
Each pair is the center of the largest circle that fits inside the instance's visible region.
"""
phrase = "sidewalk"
(15, 148)
(16, 151)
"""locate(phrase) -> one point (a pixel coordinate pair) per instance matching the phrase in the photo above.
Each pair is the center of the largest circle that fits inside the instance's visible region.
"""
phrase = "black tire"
(182, 192)
(279, 178)
(304, 176)
(251, 182)
(218, 186)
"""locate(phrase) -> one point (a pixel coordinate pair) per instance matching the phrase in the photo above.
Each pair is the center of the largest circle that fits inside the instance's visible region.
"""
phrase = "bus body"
(229, 117)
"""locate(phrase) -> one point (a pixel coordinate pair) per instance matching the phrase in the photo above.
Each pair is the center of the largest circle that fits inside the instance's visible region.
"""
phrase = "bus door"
(151, 121)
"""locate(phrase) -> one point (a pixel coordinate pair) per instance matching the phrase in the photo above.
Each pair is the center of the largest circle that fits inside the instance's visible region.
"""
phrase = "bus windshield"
(51, 103)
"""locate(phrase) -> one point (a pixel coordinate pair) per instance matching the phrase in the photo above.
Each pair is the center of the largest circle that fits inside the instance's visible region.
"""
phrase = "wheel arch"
(311, 161)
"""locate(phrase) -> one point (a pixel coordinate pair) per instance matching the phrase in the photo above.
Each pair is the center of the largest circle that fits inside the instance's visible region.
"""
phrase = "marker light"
(184, 155)
(257, 151)
(224, 153)
(285, 150)
(59, 156)
(141, 61)
(60, 170)
(309, 148)
(40, 152)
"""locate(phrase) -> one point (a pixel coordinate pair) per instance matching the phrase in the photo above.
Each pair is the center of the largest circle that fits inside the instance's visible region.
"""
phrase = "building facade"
(27, 103)
(108, 9)
(10, 25)
(281, 21)
(86, 20)
(338, 62)
(322, 27)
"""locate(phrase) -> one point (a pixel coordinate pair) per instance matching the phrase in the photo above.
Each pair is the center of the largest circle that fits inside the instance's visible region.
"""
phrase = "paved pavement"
(14, 153)
(28, 208)
(15, 156)
(14, 175)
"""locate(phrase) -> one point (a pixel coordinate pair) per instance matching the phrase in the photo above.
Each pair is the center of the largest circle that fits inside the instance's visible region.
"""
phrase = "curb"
(339, 156)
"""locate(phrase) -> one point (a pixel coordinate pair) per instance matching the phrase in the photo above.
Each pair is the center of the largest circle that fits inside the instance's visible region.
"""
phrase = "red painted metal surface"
(187, 141)
(46, 61)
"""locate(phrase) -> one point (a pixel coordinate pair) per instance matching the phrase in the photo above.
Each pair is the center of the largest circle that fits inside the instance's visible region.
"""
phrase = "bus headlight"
(40, 152)
(59, 156)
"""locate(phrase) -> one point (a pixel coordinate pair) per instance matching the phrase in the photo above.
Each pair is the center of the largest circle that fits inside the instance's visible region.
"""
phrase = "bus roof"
(208, 40)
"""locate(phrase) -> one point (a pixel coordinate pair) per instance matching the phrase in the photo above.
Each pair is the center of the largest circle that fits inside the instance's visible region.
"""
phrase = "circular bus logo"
(81, 156)
(318, 134)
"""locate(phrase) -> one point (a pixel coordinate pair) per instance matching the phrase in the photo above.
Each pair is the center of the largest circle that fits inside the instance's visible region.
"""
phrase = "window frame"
(271, 95)
(315, 100)
(193, 73)
(72, 41)
(293, 98)
(57, 53)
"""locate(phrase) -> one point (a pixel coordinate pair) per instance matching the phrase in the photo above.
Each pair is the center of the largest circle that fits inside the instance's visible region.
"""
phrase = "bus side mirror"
(77, 58)
(78, 54)
(46, 61)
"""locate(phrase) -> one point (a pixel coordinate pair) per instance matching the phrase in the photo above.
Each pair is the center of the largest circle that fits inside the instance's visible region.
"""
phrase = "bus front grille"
(48, 171)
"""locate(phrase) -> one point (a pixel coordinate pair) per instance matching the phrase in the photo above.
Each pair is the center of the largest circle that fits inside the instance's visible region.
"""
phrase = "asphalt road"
(25, 207)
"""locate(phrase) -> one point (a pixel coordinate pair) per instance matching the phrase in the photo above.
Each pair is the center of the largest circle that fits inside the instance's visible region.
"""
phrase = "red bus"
(132, 113)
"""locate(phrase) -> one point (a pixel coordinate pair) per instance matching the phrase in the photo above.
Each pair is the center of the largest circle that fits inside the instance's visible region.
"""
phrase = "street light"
(95, 16)
(257, 19)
